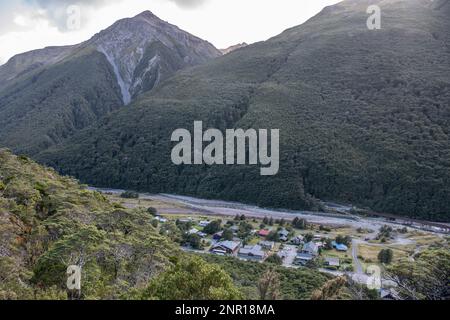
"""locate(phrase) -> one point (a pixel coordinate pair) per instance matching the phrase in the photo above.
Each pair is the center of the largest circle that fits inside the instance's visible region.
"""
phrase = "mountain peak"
(137, 49)
(147, 14)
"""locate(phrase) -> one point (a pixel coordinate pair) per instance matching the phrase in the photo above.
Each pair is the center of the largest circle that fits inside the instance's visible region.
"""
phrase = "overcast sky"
(32, 24)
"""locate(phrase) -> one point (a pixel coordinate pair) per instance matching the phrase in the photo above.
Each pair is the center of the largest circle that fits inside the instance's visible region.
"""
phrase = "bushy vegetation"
(48, 222)
(295, 284)
(130, 195)
(385, 256)
(192, 279)
(427, 277)
(363, 116)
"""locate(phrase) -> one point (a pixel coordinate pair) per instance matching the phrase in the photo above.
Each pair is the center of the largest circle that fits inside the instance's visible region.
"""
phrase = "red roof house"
(263, 233)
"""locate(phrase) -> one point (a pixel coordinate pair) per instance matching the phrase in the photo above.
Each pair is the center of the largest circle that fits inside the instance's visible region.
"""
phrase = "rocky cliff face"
(145, 50)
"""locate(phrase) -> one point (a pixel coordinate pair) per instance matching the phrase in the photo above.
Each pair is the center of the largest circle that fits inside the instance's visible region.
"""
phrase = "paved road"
(357, 264)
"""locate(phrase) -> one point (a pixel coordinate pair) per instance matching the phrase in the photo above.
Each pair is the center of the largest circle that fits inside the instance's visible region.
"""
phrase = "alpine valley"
(364, 115)
(362, 118)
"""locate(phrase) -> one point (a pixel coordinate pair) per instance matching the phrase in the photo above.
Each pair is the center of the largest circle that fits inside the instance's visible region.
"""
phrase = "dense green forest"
(48, 105)
(364, 117)
(294, 284)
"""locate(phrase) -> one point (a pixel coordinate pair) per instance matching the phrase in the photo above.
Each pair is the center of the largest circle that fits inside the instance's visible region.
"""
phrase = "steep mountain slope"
(48, 222)
(27, 62)
(146, 50)
(364, 117)
(55, 102)
(46, 95)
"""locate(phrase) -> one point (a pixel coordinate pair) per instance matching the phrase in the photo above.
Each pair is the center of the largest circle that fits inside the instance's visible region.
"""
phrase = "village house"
(263, 233)
(298, 240)
(283, 234)
(252, 253)
(193, 231)
(267, 245)
(332, 262)
(226, 248)
(203, 223)
(320, 236)
(217, 236)
(339, 246)
(309, 252)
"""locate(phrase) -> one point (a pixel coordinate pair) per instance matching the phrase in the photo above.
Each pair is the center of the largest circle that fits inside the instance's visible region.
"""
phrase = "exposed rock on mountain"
(145, 50)
(233, 48)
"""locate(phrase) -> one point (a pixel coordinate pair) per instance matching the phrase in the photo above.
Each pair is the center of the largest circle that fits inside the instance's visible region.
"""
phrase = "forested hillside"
(48, 222)
(364, 117)
(48, 95)
(51, 104)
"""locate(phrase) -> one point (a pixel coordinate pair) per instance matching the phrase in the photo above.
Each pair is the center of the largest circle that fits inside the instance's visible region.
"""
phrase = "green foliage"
(194, 241)
(269, 285)
(192, 279)
(347, 240)
(227, 234)
(54, 103)
(385, 256)
(273, 236)
(295, 284)
(152, 211)
(308, 237)
(213, 227)
(384, 233)
(299, 223)
(130, 195)
(274, 259)
(328, 244)
(425, 278)
(48, 222)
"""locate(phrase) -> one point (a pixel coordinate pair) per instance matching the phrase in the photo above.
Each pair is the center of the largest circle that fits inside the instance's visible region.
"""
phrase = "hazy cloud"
(189, 4)
(20, 15)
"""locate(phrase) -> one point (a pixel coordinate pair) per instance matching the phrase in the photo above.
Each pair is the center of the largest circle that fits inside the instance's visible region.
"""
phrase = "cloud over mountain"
(189, 4)
(20, 15)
